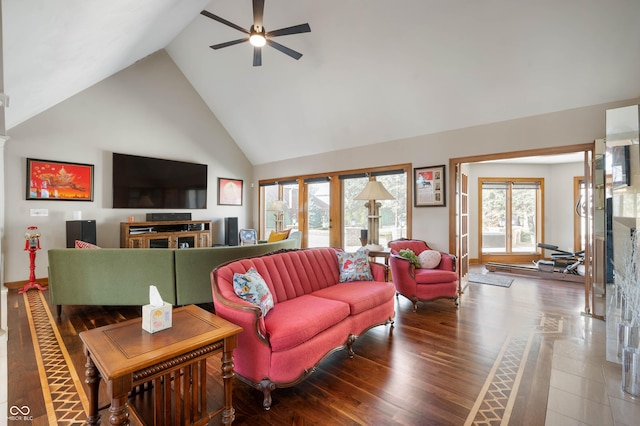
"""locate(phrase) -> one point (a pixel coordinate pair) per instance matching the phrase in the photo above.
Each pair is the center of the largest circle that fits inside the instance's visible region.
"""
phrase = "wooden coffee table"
(171, 363)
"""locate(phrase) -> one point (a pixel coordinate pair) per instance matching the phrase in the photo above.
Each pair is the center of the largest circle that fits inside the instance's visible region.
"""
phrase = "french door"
(318, 218)
(280, 208)
(510, 219)
(464, 225)
(323, 207)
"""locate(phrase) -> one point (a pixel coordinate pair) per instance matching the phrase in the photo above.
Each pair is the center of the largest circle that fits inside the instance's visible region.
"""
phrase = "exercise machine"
(566, 262)
(563, 265)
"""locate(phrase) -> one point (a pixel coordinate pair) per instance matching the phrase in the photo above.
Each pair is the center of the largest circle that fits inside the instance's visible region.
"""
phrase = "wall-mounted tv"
(153, 183)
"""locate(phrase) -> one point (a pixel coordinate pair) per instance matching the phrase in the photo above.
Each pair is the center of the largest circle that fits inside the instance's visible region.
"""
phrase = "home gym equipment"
(563, 265)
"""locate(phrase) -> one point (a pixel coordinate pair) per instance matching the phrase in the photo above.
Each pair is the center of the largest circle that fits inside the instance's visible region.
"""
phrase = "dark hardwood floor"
(438, 365)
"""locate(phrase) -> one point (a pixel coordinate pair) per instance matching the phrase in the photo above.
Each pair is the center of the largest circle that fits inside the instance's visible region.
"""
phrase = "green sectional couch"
(121, 276)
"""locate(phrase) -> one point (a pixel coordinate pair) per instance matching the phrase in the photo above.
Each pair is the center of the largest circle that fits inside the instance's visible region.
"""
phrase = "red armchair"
(420, 285)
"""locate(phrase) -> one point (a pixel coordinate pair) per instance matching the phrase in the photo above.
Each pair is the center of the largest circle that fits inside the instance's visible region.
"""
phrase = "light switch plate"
(39, 212)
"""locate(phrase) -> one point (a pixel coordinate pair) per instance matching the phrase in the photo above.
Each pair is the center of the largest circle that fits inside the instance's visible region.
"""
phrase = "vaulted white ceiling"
(371, 70)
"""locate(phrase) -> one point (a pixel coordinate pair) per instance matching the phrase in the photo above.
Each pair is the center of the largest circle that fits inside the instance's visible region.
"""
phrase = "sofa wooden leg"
(456, 301)
(391, 323)
(414, 300)
(59, 310)
(350, 341)
(266, 386)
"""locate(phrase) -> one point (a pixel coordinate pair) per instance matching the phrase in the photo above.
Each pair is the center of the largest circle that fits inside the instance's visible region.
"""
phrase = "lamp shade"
(374, 190)
(278, 206)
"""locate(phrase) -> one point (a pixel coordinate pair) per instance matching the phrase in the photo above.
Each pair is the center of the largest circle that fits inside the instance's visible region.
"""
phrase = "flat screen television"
(153, 183)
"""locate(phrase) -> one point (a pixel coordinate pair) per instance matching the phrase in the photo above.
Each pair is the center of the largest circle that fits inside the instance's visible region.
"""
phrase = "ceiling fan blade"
(257, 56)
(296, 29)
(258, 12)
(295, 55)
(229, 43)
(223, 21)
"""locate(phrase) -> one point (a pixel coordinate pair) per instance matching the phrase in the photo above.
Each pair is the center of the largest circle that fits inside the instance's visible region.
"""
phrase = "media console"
(166, 234)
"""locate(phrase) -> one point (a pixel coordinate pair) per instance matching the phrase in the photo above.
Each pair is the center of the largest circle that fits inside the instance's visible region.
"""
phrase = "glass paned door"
(318, 218)
(290, 196)
(392, 223)
(494, 217)
(271, 196)
(354, 213)
(281, 208)
(510, 217)
(393, 213)
(524, 208)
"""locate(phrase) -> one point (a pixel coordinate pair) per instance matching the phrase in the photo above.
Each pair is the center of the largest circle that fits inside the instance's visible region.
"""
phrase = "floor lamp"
(373, 192)
(278, 207)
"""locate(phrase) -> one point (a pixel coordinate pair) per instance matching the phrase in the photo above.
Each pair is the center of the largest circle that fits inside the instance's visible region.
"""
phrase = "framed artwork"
(620, 166)
(59, 181)
(429, 186)
(229, 192)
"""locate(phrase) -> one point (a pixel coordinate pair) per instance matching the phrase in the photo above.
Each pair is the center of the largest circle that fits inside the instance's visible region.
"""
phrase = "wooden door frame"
(455, 166)
(577, 219)
(454, 163)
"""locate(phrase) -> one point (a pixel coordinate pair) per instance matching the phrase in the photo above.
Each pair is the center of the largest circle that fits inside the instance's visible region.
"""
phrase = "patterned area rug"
(490, 279)
(64, 396)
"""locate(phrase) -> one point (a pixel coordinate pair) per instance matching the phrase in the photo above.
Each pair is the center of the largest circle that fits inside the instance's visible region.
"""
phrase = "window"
(393, 213)
(318, 212)
(354, 214)
(511, 217)
(280, 201)
(323, 208)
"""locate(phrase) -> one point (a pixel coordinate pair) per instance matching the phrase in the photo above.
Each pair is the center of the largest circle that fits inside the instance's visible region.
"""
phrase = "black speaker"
(83, 230)
(163, 217)
(231, 231)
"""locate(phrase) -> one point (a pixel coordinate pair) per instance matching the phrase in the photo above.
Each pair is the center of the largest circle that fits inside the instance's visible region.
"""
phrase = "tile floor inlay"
(64, 396)
(495, 402)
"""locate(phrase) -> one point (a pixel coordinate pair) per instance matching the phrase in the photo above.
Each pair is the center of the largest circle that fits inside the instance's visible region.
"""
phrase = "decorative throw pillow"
(354, 266)
(85, 245)
(251, 287)
(411, 256)
(429, 259)
(278, 236)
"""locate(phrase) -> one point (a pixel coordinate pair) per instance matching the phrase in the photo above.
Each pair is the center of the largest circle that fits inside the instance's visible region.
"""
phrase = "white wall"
(571, 127)
(149, 109)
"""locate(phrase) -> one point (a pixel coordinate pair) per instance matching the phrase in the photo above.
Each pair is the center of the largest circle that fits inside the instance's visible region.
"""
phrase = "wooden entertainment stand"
(166, 234)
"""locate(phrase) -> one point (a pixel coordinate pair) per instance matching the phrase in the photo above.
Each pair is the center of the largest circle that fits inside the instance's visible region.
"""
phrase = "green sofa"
(120, 276)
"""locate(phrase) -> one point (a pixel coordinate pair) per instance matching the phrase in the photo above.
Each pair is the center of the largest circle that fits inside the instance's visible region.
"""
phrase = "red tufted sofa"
(419, 284)
(313, 315)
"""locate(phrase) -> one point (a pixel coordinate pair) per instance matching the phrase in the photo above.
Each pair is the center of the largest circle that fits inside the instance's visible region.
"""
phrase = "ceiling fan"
(257, 35)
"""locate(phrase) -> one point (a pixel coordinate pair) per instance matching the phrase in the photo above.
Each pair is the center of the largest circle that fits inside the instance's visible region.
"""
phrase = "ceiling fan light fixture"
(257, 36)
(257, 40)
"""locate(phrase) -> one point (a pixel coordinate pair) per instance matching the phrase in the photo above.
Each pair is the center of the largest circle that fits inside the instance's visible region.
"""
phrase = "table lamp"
(372, 192)
(278, 207)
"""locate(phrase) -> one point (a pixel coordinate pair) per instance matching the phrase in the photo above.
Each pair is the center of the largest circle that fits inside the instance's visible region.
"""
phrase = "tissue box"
(156, 318)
